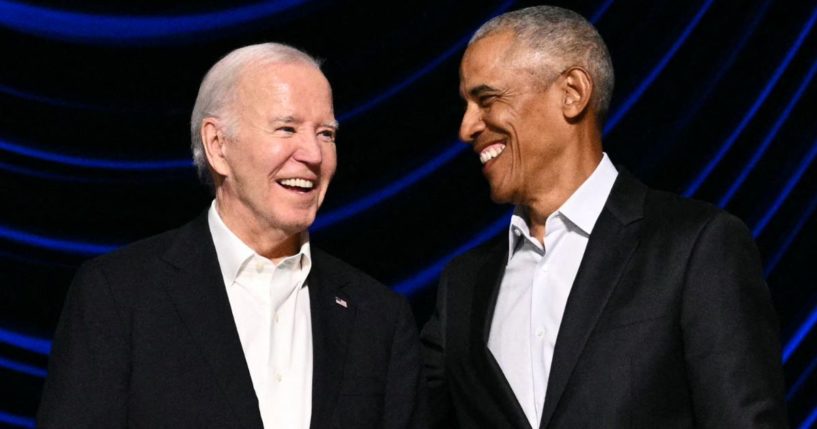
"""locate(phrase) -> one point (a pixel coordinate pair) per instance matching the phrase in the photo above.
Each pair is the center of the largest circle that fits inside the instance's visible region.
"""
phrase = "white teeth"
(491, 152)
(298, 183)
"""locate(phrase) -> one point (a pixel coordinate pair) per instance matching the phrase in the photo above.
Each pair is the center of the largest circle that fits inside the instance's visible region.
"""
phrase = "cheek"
(245, 168)
(497, 117)
(266, 164)
(330, 161)
(506, 120)
(275, 155)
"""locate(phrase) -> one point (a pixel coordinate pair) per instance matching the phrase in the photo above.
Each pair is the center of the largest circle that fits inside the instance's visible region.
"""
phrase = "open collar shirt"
(534, 289)
(270, 306)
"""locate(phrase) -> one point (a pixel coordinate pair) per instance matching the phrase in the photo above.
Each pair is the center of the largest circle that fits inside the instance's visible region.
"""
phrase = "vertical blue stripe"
(809, 421)
(727, 145)
(781, 198)
(799, 335)
(801, 379)
(793, 234)
(601, 11)
(712, 83)
(761, 150)
(625, 107)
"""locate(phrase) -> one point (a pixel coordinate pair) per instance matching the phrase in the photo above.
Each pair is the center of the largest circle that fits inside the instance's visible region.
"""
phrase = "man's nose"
(309, 150)
(472, 124)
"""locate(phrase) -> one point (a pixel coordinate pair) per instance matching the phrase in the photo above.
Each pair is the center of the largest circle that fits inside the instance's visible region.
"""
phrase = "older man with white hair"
(234, 320)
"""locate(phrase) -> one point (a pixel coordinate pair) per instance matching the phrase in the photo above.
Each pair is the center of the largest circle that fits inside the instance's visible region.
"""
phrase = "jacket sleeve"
(433, 341)
(88, 368)
(730, 332)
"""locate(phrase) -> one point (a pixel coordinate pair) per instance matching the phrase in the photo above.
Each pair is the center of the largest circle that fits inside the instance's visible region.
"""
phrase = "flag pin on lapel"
(341, 302)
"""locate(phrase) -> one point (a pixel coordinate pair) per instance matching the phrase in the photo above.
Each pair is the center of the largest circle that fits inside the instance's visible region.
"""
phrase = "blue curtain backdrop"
(714, 100)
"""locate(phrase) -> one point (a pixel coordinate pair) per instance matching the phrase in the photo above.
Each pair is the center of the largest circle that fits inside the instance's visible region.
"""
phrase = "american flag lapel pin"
(341, 302)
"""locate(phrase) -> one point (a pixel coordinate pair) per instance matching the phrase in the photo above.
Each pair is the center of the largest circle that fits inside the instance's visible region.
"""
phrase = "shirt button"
(259, 267)
(278, 377)
(540, 332)
(276, 317)
(517, 232)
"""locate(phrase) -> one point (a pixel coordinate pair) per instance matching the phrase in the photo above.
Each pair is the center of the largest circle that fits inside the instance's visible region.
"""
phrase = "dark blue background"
(714, 99)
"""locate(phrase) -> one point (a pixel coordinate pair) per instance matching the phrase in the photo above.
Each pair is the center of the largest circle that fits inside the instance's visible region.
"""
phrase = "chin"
(296, 224)
(298, 227)
(500, 197)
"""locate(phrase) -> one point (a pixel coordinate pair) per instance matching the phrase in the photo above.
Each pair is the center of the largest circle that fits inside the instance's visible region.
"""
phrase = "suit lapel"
(612, 243)
(486, 290)
(331, 323)
(194, 282)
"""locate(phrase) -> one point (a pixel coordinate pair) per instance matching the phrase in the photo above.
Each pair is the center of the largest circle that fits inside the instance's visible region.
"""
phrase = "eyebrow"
(285, 119)
(476, 91)
(294, 120)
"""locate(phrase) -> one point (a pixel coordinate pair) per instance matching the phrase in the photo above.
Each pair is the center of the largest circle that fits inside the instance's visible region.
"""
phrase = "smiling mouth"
(297, 184)
(491, 152)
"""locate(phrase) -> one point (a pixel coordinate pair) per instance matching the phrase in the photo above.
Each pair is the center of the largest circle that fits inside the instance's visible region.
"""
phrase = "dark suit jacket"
(668, 325)
(147, 339)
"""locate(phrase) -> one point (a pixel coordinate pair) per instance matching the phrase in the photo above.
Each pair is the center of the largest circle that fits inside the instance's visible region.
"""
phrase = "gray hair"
(559, 38)
(218, 88)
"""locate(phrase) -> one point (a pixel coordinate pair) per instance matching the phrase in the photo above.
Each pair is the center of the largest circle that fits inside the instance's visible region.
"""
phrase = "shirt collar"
(582, 208)
(518, 230)
(233, 253)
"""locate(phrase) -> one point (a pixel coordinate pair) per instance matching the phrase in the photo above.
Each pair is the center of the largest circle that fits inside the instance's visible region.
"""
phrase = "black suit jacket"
(668, 325)
(147, 339)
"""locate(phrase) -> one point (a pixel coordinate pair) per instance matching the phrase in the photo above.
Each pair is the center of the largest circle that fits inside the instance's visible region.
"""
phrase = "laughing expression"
(280, 158)
(512, 121)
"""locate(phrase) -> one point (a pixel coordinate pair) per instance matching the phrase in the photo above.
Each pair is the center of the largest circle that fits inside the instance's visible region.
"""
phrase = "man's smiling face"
(512, 118)
(281, 158)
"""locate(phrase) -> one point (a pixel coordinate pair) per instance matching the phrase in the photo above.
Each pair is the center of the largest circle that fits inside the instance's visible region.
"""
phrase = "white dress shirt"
(534, 289)
(270, 305)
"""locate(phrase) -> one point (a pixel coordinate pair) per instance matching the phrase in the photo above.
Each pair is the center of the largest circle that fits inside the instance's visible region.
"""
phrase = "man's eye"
(327, 135)
(287, 130)
(486, 100)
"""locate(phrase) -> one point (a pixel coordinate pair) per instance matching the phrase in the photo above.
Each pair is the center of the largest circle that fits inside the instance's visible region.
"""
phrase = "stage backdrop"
(714, 100)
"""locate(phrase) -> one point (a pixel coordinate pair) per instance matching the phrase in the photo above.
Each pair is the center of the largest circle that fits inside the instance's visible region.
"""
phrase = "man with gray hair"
(606, 303)
(234, 320)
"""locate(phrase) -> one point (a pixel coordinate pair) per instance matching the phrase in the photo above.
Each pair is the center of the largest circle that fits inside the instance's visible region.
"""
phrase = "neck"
(266, 240)
(561, 182)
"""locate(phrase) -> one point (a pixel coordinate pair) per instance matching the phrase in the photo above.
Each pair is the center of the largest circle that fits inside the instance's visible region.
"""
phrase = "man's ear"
(214, 145)
(577, 87)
